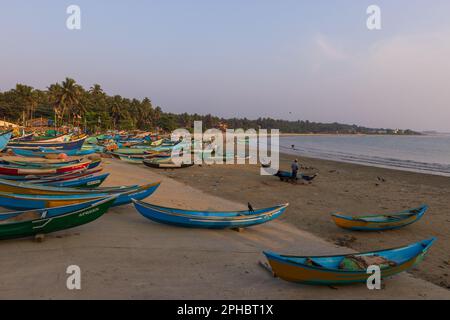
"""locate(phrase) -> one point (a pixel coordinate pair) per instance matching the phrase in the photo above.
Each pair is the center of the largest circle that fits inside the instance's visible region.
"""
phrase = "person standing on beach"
(294, 167)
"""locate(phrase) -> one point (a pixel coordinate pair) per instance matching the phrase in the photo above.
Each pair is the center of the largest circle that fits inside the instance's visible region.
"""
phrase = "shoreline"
(350, 134)
(372, 165)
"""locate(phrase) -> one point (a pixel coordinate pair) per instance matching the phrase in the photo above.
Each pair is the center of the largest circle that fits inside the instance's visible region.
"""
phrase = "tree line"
(68, 103)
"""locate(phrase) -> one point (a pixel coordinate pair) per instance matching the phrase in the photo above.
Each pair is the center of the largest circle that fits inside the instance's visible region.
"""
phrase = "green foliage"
(70, 104)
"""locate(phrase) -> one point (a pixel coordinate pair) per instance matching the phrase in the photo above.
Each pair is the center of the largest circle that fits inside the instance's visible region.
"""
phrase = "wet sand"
(123, 255)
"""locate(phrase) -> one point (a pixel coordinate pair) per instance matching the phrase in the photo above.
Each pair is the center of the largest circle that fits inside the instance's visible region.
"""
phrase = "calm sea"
(428, 153)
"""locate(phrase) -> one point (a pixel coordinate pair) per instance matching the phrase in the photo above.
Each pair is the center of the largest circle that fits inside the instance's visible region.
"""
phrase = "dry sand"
(123, 255)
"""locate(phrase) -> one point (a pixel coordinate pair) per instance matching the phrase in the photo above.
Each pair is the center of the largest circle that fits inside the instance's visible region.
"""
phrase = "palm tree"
(96, 90)
(147, 113)
(116, 110)
(27, 97)
(54, 93)
(157, 115)
(70, 98)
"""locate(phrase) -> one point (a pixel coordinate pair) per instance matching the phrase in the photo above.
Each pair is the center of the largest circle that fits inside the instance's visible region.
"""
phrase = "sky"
(314, 60)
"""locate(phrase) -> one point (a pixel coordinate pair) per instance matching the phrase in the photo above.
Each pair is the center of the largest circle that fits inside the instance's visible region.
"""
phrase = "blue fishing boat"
(4, 139)
(91, 181)
(39, 201)
(349, 268)
(379, 222)
(44, 152)
(69, 145)
(208, 219)
(20, 187)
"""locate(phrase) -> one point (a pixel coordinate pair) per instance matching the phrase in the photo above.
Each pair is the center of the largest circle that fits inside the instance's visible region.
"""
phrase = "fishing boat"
(47, 152)
(92, 148)
(49, 212)
(287, 176)
(20, 224)
(39, 162)
(60, 138)
(132, 159)
(36, 165)
(9, 186)
(24, 171)
(69, 145)
(53, 177)
(378, 222)
(24, 137)
(208, 219)
(4, 139)
(156, 143)
(130, 151)
(37, 201)
(89, 181)
(166, 164)
(159, 154)
(346, 269)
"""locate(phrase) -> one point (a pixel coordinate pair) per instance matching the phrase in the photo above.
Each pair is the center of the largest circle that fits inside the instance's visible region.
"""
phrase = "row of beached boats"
(51, 191)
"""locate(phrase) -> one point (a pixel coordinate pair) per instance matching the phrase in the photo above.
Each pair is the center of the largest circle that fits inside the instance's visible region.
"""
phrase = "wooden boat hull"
(165, 164)
(26, 137)
(379, 222)
(27, 201)
(70, 145)
(37, 162)
(56, 221)
(130, 151)
(60, 138)
(24, 171)
(156, 143)
(7, 186)
(295, 268)
(52, 177)
(131, 159)
(43, 153)
(4, 139)
(81, 183)
(208, 220)
(49, 165)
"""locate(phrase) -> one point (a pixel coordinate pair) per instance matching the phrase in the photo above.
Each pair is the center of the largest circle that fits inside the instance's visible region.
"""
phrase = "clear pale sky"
(285, 59)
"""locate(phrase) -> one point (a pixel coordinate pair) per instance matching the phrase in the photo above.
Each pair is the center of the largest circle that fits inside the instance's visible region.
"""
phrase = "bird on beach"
(250, 208)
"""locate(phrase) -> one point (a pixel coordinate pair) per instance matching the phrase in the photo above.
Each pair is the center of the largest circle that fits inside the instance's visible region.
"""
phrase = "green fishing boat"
(27, 224)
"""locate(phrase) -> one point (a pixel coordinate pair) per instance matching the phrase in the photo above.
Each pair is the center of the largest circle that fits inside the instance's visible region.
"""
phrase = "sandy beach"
(123, 255)
(348, 188)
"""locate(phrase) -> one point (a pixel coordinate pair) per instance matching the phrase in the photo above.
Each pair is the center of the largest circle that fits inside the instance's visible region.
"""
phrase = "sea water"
(424, 153)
